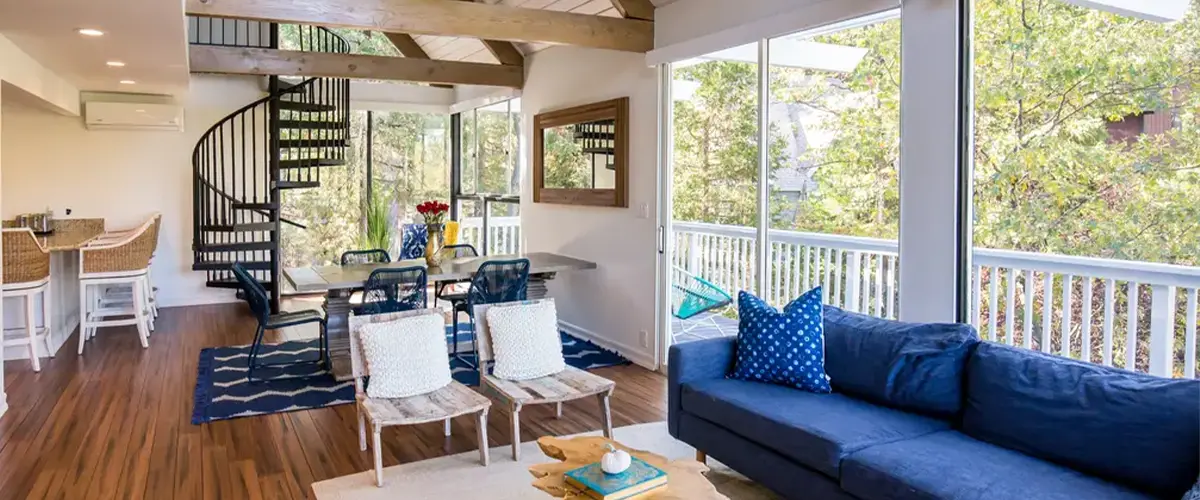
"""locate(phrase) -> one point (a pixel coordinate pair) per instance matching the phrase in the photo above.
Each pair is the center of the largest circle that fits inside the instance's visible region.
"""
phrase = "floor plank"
(116, 423)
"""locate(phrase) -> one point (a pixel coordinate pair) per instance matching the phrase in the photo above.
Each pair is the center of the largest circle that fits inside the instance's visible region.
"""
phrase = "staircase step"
(311, 125)
(297, 184)
(311, 162)
(311, 143)
(235, 247)
(225, 265)
(305, 107)
(233, 283)
(255, 206)
(239, 228)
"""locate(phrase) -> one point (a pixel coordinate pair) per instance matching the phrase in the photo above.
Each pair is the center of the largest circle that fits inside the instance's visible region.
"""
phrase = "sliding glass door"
(486, 196)
(827, 162)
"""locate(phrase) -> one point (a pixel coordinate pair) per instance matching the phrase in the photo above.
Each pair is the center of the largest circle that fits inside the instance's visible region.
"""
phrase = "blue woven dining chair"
(496, 281)
(412, 241)
(260, 305)
(394, 290)
(375, 256)
(454, 297)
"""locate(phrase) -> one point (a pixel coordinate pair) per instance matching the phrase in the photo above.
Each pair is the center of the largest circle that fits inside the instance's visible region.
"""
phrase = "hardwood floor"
(116, 423)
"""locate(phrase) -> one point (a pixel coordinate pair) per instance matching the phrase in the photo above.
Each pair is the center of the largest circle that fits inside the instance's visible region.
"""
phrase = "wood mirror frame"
(616, 110)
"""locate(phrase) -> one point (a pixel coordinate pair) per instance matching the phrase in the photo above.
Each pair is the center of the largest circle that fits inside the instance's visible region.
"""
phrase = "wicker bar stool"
(118, 295)
(122, 262)
(27, 274)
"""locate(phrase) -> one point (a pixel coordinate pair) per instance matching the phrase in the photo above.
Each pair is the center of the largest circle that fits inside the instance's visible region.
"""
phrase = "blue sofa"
(927, 411)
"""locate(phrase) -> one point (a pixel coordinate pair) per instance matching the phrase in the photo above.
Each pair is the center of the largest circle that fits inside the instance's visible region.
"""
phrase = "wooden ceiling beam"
(246, 61)
(504, 52)
(635, 9)
(465, 19)
(409, 48)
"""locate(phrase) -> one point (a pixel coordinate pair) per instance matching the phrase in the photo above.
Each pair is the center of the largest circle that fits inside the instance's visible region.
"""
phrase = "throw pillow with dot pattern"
(785, 348)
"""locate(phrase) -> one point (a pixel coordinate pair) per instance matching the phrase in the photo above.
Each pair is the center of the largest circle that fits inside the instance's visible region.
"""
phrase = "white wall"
(613, 304)
(25, 73)
(121, 176)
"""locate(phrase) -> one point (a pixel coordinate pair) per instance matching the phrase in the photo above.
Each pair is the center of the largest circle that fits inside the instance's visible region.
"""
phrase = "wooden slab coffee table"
(685, 478)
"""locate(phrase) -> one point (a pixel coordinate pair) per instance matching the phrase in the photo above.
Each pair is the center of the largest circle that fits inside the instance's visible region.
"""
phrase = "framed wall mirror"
(581, 155)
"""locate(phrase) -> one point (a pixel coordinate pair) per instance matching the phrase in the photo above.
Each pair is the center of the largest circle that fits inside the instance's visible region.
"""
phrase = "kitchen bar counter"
(63, 244)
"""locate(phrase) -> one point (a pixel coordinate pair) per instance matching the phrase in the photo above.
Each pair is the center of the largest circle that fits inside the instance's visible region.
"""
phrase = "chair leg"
(252, 360)
(481, 436)
(31, 331)
(139, 313)
(47, 321)
(558, 410)
(83, 315)
(516, 432)
(446, 428)
(362, 428)
(605, 415)
(378, 453)
(701, 457)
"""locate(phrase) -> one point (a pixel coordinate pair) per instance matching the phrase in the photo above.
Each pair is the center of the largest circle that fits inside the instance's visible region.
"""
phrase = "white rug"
(461, 477)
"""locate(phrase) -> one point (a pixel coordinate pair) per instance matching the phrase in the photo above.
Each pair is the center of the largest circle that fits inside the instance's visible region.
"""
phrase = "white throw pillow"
(405, 357)
(525, 341)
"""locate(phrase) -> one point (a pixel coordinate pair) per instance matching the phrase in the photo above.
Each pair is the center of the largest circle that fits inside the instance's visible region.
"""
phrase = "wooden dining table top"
(325, 278)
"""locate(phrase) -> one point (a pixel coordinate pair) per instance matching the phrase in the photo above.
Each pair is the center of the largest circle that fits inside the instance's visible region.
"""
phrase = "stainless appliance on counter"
(40, 223)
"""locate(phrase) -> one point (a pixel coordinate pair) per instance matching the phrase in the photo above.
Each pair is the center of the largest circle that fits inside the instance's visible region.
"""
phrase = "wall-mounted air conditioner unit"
(133, 116)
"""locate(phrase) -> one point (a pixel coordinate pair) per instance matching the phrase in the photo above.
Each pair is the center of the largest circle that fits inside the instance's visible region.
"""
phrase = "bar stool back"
(26, 275)
(123, 261)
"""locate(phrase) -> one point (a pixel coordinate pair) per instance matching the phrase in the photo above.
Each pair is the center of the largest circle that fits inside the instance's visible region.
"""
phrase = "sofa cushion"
(815, 430)
(786, 348)
(912, 366)
(952, 465)
(1136, 429)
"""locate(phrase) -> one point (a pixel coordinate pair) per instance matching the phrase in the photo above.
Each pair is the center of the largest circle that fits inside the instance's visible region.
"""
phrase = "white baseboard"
(3, 403)
(637, 355)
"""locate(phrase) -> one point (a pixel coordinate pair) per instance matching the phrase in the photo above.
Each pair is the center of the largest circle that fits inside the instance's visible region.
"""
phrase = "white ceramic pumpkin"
(615, 461)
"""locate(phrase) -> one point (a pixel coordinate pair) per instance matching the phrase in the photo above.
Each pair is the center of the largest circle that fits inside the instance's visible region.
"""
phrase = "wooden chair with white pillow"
(27, 275)
(567, 384)
(405, 353)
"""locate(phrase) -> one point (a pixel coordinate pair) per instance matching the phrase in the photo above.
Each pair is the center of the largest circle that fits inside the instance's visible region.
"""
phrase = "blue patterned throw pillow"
(785, 348)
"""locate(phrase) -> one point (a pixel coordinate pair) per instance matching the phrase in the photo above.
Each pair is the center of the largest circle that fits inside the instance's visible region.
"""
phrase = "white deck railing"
(1053, 303)
(504, 234)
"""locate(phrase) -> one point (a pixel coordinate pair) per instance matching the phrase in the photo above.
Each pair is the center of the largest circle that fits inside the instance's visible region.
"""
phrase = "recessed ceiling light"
(140, 110)
(127, 82)
(115, 64)
(89, 32)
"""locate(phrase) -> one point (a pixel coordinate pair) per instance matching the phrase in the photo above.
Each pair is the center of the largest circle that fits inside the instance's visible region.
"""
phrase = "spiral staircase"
(243, 163)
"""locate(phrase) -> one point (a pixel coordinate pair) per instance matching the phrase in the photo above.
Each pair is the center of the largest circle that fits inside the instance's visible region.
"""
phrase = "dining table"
(339, 283)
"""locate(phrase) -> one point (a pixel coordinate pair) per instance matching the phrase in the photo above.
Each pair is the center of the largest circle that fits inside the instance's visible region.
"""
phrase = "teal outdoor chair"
(692, 296)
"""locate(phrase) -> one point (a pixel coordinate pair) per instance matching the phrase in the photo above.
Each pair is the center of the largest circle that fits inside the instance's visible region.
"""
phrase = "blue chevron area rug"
(222, 391)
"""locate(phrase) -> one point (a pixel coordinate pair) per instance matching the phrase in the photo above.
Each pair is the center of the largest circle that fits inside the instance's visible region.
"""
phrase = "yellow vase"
(433, 245)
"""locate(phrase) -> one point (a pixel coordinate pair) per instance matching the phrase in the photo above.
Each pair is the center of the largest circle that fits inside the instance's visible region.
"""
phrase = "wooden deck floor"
(116, 423)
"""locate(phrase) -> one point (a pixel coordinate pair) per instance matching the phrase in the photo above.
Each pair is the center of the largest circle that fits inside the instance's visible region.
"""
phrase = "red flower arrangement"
(434, 211)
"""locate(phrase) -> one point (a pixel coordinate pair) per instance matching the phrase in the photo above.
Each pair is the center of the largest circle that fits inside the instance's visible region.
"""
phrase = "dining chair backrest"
(254, 293)
(374, 256)
(394, 290)
(499, 281)
(358, 360)
(461, 250)
(483, 330)
(412, 241)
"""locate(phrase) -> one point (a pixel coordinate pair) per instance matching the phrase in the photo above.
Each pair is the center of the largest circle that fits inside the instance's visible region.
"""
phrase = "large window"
(487, 197)
(1086, 181)
(395, 160)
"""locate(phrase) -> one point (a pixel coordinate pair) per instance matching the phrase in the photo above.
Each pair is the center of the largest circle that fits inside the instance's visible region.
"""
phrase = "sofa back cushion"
(1127, 427)
(911, 366)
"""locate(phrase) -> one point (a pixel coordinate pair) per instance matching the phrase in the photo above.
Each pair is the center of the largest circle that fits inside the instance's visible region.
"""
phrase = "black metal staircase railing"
(279, 142)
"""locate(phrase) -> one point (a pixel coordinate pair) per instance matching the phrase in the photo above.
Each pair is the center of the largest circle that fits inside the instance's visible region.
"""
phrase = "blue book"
(639, 478)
